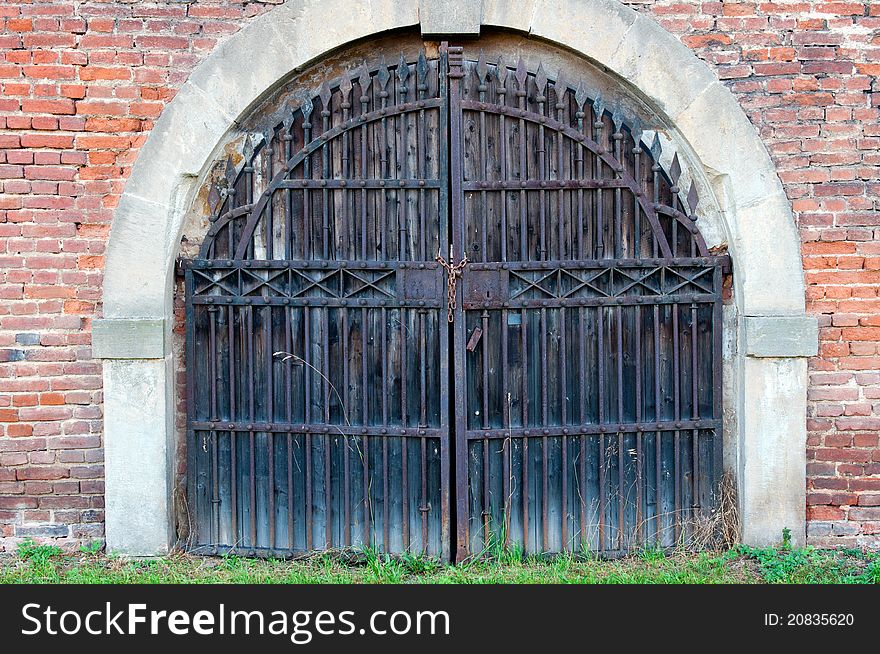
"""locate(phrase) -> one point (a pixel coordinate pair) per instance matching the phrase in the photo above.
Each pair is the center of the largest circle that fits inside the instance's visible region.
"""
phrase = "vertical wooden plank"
(563, 358)
(307, 387)
(270, 418)
(455, 76)
(525, 423)
(603, 499)
(443, 236)
(346, 440)
(365, 454)
(252, 478)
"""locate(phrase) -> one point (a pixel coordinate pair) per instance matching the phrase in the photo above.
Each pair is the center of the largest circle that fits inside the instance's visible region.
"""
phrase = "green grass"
(48, 564)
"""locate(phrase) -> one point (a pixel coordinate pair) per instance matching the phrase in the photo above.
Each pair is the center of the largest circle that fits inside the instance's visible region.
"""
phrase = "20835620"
(808, 619)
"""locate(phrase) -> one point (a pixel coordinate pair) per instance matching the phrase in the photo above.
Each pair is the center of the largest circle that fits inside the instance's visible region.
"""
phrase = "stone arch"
(769, 334)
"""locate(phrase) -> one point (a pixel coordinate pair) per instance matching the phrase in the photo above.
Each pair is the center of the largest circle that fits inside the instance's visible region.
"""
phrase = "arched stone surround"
(769, 334)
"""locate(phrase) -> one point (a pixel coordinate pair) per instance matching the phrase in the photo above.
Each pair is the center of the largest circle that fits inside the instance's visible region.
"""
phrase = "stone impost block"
(781, 336)
(128, 338)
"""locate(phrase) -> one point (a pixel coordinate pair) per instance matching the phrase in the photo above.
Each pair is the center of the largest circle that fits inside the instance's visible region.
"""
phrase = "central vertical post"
(445, 373)
(455, 58)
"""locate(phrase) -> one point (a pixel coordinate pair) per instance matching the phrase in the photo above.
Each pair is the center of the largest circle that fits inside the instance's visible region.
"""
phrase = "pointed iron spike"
(580, 96)
(383, 75)
(291, 105)
(501, 71)
(560, 86)
(324, 94)
(307, 107)
(364, 79)
(656, 149)
(675, 169)
(521, 74)
(693, 199)
(482, 68)
(422, 68)
(541, 79)
(345, 87)
(402, 68)
(635, 128)
(230, 172)
(214, 198)
(617, 119)
(248, 151)
(599, 107)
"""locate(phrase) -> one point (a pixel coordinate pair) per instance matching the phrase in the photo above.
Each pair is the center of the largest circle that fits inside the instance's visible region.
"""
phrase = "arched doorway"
(769, 339)
(453, 291)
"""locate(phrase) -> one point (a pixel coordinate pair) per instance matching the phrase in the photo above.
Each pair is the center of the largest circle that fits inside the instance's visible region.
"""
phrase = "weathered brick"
(42, 531)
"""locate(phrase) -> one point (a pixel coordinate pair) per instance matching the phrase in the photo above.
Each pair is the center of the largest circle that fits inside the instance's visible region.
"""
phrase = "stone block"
(132, 338)
(450, 17)
(781, 336)
(139, 451)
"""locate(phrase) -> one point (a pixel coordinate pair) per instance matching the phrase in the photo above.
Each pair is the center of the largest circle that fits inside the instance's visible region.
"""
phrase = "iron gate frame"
(239, 212)
(485, 290)
(416, 275)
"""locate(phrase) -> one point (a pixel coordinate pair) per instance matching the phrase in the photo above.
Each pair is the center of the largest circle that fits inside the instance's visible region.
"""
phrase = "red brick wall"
(82, 83)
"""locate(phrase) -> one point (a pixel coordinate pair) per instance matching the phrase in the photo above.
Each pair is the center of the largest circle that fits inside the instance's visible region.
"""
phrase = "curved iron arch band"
(221, 221)
(688, 223)
(312, 147)
(627, 180)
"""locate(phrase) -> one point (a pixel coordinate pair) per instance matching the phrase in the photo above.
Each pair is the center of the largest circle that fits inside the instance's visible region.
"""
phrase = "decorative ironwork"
(574, 384)
(587, 346)
(315, 337)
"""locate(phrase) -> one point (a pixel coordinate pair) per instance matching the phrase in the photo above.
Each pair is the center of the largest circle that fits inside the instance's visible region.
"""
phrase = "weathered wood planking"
(595, 312)
(577, 391)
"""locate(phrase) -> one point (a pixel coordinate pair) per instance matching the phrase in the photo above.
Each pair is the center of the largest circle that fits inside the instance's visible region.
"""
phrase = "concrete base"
(772, 448)
(780, 336)
(139, 456)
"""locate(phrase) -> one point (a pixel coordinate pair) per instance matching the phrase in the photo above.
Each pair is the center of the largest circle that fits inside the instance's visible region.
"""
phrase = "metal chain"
(454, 272)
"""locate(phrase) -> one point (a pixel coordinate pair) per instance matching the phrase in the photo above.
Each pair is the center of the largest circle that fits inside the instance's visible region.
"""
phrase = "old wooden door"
(451, 228)
(587, 342)
(318, 370)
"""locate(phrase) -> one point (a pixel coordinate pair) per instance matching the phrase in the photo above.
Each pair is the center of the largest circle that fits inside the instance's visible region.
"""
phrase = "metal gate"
(451, 229)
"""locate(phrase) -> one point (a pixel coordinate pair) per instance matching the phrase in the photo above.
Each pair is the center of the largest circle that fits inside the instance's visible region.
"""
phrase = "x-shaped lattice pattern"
(610, 282)
(297, 282)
